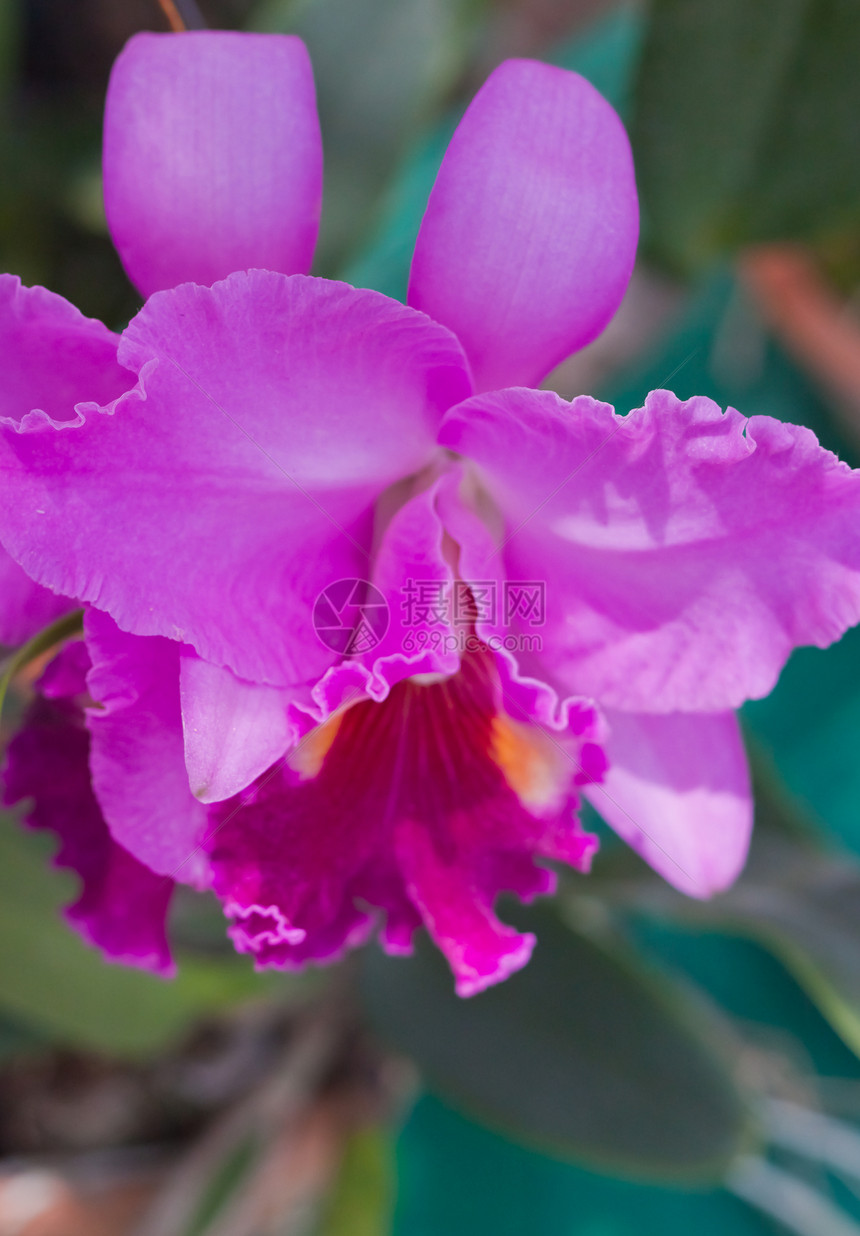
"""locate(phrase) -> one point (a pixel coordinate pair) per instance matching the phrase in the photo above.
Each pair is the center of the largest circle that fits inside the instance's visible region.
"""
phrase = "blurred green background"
(663, 1066)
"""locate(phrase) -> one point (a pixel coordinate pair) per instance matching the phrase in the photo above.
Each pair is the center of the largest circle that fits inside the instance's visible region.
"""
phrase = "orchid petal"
(395, 625)
(411, 572)
(685, 551)
(678, 792)
(136, 758)
(234, 730)
(212, 157)
(528, 241)
(53, 359)
(480, 949)
(217, 500)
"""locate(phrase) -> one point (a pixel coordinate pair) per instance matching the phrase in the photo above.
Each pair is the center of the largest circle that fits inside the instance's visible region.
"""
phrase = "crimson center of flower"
(425, 806)
(438, 744)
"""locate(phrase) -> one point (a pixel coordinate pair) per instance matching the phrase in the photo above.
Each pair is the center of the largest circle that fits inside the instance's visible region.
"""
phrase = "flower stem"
(64, 628)
(182, 15)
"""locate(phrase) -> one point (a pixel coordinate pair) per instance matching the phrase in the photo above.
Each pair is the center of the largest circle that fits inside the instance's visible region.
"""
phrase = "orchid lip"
(421, 807)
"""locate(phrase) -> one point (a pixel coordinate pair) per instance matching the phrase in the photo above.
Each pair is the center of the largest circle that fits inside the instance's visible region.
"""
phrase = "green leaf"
(49, 978)
(745, 124)
(362, 1200)
(583, 1053)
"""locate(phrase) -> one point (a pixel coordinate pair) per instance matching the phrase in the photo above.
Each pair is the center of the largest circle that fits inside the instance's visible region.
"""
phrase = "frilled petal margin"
(530, 233)
(216, 501)
(424, 807)
(54, 358)
(123, 905)
(212, 157)
(685, 550)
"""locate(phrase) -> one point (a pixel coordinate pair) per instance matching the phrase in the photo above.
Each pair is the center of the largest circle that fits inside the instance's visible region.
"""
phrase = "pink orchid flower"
(263, 453)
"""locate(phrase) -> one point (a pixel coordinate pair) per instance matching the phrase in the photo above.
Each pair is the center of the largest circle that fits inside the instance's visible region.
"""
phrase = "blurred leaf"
(229, 1176)
(810, 725)
(789, 1199)
(361, 1203)
(50, 978)
(806, 911)
(606, 53)
(257, 1167)
(583, 1053)
(17, 1038)
(385, 260)
(382, 68)
(9, 37)
(745, 124)
(798, 900)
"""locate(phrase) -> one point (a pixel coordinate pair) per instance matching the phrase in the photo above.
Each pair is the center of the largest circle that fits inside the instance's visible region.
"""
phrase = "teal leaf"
(460, 1179)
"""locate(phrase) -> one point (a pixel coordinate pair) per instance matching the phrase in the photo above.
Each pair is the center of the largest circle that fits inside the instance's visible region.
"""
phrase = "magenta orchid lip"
(214, 484)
